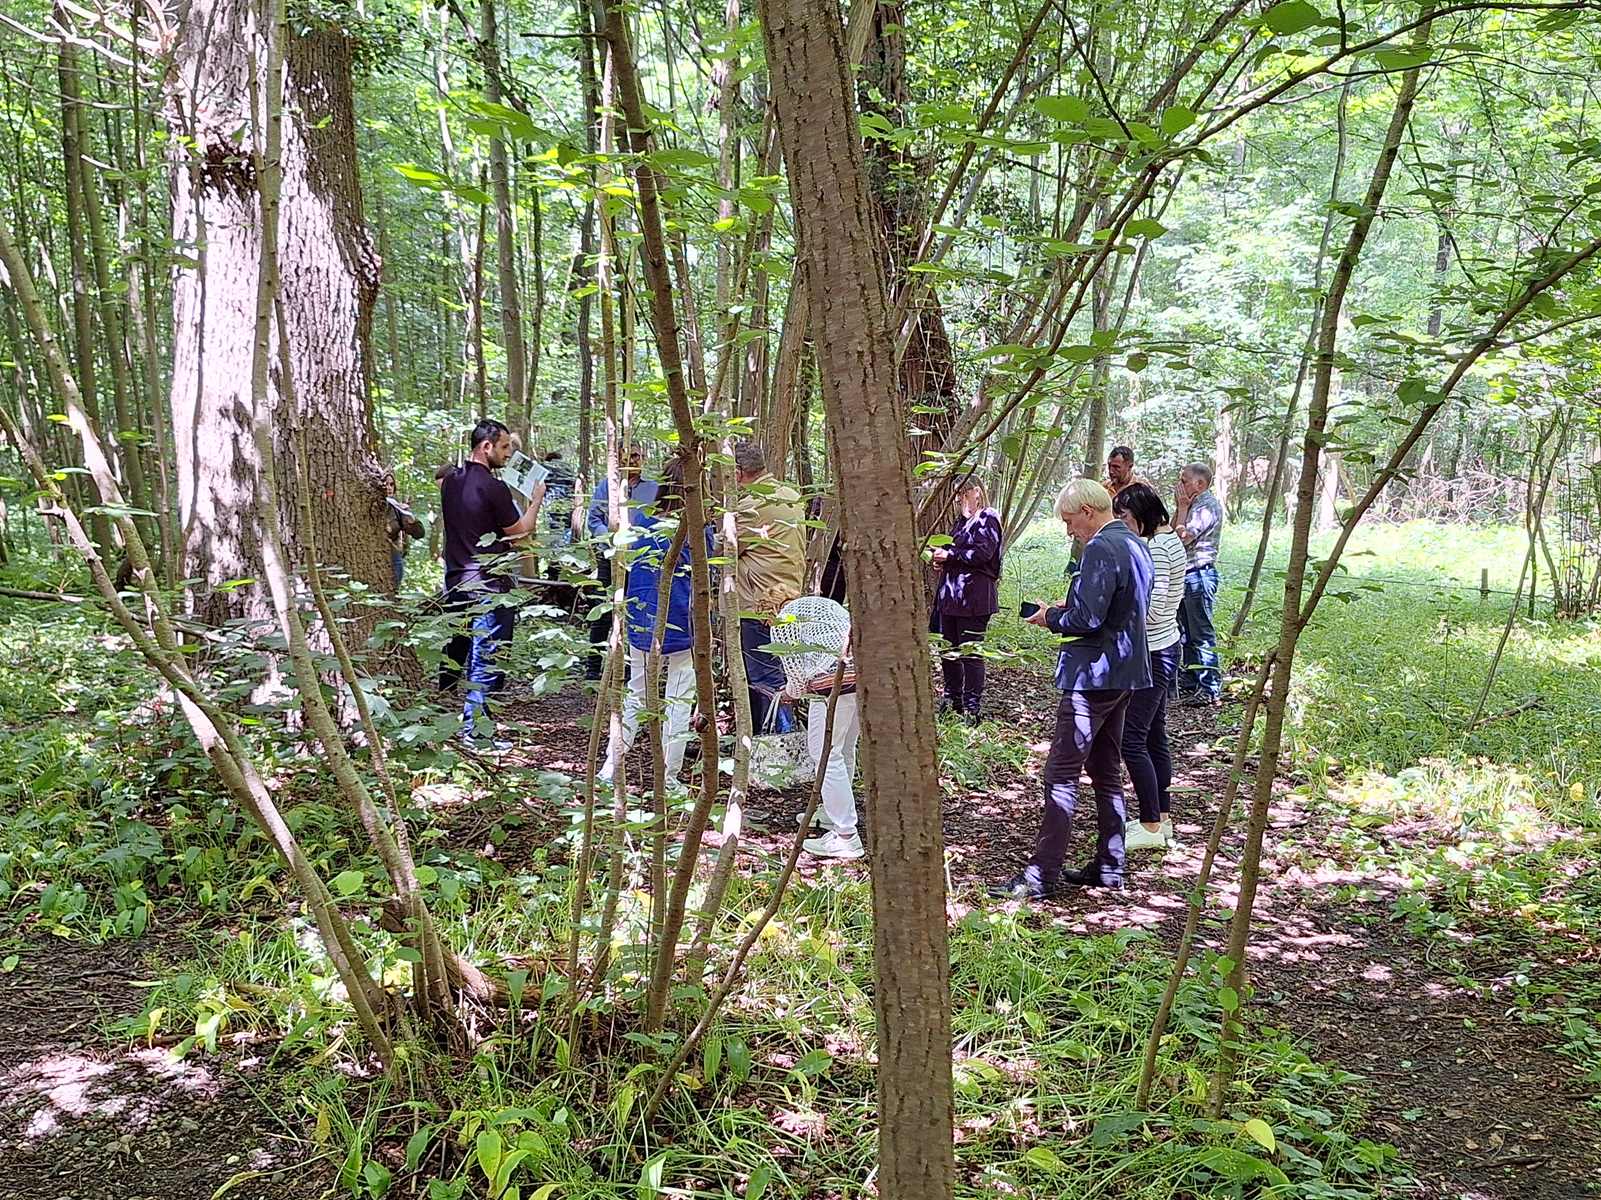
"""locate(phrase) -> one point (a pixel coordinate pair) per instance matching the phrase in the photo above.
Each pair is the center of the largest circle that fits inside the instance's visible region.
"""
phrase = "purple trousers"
(1087, 740)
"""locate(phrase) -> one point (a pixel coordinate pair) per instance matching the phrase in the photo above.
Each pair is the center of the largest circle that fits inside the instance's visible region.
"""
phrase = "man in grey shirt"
(1198, 520)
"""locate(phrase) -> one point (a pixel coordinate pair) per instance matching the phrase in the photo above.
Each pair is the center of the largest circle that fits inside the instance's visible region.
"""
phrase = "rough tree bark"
(330, 280)
(835, 234)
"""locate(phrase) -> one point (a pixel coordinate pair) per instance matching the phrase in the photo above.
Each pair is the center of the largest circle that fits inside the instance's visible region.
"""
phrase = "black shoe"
(1091, 877)
(946, 708)
(1018, 887)
(972, 718)
(1199, 700)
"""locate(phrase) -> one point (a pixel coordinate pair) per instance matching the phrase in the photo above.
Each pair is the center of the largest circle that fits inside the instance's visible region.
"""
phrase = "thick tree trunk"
(329, 283)
(838, 261)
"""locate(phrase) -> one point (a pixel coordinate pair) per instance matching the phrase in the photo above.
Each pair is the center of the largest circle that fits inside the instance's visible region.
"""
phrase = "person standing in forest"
(1198, 520)
(769, 572)
(646, 557)
(1103, 659)
(401, 525)
(638, 493)
(1145, 748)
(1120, 470)
(481, 521)
(967, 596)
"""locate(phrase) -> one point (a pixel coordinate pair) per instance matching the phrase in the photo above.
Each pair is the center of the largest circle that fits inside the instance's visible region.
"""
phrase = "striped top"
(1167, 589)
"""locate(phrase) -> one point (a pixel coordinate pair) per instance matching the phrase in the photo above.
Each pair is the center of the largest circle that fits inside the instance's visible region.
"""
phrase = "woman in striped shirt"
(1145, 749)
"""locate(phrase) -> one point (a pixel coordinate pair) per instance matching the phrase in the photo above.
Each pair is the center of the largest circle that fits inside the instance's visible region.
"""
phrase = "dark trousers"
(964, 673)
(1145, 748)
(1201, 665)
(1089, 728)
(765, 675)
(600, 627)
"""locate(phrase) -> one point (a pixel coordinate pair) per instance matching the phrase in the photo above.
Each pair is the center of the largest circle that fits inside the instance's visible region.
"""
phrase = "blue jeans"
(489, 630)
(1201, 671)
(399, 561)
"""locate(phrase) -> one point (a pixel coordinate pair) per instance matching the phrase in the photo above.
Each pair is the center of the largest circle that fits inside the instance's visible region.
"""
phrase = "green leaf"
(1109, 1128)
(1261, 1133)
(10, 964)
(1228, 998)
(1176, 120)
(1063, 108)
(1148, 227)
(679, 158)
(1291, 17)
(350, 1171)
(1043, 1158)
(417, 1146)
(711, 1057)
(623, 1105)
(650, 1179)
(815, 1063)
(1137, 362)
(516, 981)
(377, 1178)
(759, 1179)
(347, 883)
(488, 1148)
(1399, 60)
(421, 175)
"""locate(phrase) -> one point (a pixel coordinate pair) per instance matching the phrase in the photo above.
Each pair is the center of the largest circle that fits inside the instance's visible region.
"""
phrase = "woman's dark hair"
(1141, 502)
(670, 487)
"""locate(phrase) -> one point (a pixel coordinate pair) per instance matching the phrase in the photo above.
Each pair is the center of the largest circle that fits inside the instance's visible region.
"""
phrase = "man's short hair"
(1082, 493)
(1200, 471)
(1126, 453)
(488, 430)
(749, 458)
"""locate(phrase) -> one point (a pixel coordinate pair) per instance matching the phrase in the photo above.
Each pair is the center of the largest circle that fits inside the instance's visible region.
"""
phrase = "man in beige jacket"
(770, 571)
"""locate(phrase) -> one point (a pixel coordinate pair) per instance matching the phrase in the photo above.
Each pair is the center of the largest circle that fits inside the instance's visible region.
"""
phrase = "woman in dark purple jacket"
(969, 584)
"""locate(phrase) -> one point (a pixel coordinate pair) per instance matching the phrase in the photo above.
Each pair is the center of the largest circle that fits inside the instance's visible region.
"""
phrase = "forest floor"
(82, 1118)
(1427, 924)
(1476, 1101)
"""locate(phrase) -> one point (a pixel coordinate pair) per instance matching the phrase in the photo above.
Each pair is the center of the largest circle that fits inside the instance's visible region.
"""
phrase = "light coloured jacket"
(770, 524)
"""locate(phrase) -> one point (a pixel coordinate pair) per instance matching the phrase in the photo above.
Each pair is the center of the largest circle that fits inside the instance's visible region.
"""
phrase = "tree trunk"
(838, 260)
(511, 308)
(330, 279)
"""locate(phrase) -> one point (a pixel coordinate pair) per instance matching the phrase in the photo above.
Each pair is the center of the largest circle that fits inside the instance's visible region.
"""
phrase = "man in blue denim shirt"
(1198, 520)
(1103, 658)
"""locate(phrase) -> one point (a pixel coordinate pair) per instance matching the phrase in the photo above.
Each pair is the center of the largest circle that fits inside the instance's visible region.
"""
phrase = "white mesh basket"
(820, 629)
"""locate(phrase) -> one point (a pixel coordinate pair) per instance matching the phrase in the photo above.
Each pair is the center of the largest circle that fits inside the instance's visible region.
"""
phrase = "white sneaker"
(1137, 837)
(819, 819)
(1167, 832)
(835, 845)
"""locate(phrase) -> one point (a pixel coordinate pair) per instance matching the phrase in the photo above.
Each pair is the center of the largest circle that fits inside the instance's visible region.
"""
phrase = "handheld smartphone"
(1027, 609)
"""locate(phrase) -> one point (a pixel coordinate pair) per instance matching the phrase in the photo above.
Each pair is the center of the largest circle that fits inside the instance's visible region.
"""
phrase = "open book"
(522, 474)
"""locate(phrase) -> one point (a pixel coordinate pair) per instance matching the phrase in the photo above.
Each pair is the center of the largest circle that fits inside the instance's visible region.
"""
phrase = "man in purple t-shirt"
(480, 522)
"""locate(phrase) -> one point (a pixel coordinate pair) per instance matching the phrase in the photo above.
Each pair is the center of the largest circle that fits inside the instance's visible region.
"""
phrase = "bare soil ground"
(84, 1118)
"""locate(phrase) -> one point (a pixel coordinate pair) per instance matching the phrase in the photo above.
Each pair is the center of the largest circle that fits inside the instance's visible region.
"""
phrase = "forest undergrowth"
(1475, 848)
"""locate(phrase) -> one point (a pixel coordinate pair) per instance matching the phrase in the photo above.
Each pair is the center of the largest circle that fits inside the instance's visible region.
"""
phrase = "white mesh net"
(819, 625)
